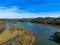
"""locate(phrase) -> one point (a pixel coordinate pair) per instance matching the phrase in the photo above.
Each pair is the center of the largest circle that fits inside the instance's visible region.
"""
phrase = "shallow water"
(41, 32)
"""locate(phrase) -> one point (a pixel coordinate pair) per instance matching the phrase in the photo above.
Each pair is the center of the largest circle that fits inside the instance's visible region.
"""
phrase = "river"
(41, 32)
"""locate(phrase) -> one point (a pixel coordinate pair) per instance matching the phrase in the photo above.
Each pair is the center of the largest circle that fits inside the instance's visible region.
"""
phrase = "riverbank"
(7, 35)
(25, 38)
(47, 20)
(41, 32)
(12, 31)
(57, 37)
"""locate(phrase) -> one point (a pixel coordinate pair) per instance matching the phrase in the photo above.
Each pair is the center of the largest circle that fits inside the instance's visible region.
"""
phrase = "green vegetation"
(17, 20)
(57, 37)
(47, 20)
(25, 20)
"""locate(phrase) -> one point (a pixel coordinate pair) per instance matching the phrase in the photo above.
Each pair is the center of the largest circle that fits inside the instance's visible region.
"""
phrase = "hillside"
(12, 31)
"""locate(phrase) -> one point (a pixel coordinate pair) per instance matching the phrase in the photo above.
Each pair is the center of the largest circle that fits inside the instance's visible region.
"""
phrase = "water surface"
(41, 32)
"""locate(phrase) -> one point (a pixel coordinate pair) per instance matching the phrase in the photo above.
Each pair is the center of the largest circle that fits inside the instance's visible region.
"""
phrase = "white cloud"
(14, 12)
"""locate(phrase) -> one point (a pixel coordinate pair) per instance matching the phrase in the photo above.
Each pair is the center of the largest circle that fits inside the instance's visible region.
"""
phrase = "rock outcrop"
(25, 38)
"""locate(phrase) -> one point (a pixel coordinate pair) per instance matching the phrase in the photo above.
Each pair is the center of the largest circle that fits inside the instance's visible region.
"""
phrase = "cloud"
(33, 5)
(14, 12)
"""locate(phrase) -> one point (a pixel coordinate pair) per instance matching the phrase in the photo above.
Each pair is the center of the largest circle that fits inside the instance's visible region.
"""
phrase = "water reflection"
(52, 38)
(54, 26)
(42, 32)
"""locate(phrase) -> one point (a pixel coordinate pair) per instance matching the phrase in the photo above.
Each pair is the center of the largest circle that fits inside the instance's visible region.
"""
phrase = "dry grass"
(25, 37)
(6, 35)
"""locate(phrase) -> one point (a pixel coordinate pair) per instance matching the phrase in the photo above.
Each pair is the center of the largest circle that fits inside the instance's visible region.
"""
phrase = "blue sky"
(29, 8)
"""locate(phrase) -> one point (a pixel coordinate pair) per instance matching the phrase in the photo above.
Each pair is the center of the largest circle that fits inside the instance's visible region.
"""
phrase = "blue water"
(41, 32)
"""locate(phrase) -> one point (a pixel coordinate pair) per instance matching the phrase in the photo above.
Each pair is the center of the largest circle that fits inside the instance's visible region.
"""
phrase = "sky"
(29, 8)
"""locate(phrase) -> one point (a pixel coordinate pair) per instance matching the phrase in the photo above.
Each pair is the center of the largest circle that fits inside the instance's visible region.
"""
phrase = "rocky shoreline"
(25, 38)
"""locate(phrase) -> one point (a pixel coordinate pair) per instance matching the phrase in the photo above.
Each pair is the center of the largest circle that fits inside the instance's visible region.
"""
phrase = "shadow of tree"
(53, 38)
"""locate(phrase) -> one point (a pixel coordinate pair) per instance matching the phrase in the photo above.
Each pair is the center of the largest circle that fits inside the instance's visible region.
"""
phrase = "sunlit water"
(41, 32)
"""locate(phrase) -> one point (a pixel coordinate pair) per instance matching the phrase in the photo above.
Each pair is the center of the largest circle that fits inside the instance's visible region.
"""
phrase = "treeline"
(17, 20)
(47, 20)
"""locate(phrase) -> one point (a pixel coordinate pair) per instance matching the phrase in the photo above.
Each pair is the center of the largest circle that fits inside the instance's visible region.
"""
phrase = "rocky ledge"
(25, 38)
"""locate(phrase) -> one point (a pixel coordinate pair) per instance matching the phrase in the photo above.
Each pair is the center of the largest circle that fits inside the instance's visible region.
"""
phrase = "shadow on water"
(53, 38)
